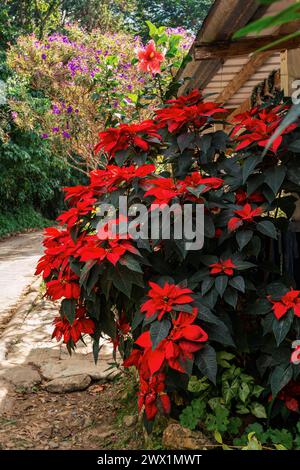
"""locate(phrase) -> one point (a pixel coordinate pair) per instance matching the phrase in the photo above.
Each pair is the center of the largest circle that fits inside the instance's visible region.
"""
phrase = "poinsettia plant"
(168, 309)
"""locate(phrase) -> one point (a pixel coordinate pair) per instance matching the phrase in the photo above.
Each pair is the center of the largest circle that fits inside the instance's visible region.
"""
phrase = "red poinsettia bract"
(223, 267)
(163, 299)
(111, 249)
(179, 114)
(80, 326)
(184, 339)
(259, 128)
(246, 214)
(289, 301)
(152, 394)
(114, 176)
(134, 136)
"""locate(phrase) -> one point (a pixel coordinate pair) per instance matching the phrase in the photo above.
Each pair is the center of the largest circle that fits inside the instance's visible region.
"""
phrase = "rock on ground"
(177, 437)
(75, 383)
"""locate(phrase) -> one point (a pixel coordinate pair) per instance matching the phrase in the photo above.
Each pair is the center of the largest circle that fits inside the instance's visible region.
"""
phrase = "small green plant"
(239, 396)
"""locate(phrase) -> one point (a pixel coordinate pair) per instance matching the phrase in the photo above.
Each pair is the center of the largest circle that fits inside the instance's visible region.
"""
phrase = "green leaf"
(131, 263)
(267, 228)
(260, 307)
(185, 140)
(68, 309)
(231, 297)
(249, 166)
(207, 285)
(238, 283)
(243, 237)
(206, 361)
(274, 177)
(221, 284)
(258, 410)
(244, 392)
(282, 327)
(159, 330)
(280, 377)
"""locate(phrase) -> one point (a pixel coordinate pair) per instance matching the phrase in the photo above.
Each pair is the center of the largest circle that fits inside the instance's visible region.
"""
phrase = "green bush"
(21, 219)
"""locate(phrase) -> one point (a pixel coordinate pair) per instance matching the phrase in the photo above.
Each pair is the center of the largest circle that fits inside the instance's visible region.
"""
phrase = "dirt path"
(18, 258)
(49, 400)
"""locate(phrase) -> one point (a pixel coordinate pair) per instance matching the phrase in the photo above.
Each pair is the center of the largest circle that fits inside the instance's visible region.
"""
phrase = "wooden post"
(289, 70)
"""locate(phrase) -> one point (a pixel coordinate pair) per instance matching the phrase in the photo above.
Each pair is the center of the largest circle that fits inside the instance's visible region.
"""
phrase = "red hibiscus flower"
(65, 286)
(111, 250)
(163, 299)
(183, 341)
(80, 326)
(246, 214)
(175, 117)
(150, 58)
(135, 136)
(223, 267)
(163, 190)
(290, 301)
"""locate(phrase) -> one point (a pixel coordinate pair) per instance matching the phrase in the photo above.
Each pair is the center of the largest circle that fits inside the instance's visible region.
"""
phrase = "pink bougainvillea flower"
(289, 301)
(150, 58)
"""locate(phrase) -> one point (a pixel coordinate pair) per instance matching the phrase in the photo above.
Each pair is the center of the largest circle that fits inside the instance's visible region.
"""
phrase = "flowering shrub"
(169, 310)
(71, 85)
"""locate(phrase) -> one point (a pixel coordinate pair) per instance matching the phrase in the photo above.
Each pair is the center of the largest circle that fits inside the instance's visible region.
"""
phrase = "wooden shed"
(228, 68)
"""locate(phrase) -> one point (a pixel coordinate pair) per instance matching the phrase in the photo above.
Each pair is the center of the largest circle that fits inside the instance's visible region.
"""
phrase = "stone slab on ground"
(78, 364)
(176, 437)
(22, 376)
(75, 383)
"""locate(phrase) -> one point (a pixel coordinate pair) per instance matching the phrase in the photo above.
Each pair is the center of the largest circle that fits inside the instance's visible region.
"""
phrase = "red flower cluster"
(184, 339)
(150, 58)
(290, 301)
(133, 136)
(165, 189)
(152, 394)
(241, 197)
(290, 395)
(246, 214)
(114, 176)
(223, 267)
(111, 249)
(163, 299)
(259, 128)
(80, 326)
(187, 111)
